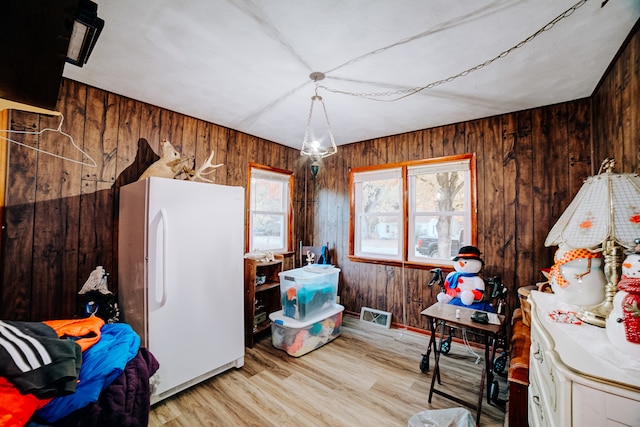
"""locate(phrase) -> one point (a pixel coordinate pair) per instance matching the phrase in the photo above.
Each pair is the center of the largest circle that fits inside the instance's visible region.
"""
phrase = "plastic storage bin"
(308, 291)
(300, 337)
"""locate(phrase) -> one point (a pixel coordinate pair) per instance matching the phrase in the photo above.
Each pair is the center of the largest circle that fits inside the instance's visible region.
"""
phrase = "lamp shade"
(318, 137)
(315, 142)
(607, 207)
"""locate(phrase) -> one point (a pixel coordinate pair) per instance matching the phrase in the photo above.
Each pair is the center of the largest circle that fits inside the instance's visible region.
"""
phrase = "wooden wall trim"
(4, 124)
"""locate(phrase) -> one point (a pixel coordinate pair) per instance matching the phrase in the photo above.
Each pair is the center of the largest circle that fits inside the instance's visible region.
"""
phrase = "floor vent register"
(377, 317)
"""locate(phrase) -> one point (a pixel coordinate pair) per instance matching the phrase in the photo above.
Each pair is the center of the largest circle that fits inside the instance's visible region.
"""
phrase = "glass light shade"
(314, 144)
(607, 207)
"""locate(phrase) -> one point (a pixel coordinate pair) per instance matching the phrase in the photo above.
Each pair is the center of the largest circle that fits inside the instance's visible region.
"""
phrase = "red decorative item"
(631, 322)
(565, 317)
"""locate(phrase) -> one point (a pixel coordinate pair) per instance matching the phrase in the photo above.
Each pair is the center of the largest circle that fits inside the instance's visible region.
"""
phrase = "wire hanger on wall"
(59, 130)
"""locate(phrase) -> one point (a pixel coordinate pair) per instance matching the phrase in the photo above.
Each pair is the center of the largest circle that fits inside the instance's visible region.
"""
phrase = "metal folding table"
(441, 314)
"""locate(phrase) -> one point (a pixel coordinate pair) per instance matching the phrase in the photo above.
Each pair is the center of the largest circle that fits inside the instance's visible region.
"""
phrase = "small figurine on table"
(310, 257)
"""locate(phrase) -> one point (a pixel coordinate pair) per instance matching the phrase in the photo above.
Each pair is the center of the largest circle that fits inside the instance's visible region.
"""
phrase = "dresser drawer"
(537, 414)
(598, 408)
(553, 388)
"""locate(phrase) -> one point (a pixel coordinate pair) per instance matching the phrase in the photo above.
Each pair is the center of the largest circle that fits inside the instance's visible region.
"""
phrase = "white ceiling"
(245, 64)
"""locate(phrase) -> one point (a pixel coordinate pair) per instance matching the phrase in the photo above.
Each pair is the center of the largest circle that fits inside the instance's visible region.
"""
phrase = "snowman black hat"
(468, 252)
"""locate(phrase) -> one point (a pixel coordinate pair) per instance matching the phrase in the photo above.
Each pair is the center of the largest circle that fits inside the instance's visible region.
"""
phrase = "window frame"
(287, 177)
(379, 174)
(408, 258)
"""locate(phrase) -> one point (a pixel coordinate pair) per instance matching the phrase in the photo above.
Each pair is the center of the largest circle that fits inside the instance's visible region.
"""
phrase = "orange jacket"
(85, 332)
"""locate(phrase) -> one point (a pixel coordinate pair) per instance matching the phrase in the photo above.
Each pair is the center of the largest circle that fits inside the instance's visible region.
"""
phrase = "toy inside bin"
(300, 337)
(308, 291)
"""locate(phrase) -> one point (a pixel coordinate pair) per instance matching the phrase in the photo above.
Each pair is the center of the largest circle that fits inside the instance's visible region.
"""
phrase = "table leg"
(436, 358)
(479, 410)
(488, 365)
(432, 342)
(437, 352)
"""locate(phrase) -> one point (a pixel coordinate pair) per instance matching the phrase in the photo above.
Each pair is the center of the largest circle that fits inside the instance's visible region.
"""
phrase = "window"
(270, 209)
(418, 212)
(379, 217)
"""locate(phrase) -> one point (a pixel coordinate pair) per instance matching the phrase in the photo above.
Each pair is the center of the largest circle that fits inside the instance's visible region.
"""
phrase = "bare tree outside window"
(439, 216)
(380, 219)
(446, 210)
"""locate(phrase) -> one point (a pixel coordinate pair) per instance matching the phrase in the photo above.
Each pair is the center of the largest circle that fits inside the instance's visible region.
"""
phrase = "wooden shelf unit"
(264, 298)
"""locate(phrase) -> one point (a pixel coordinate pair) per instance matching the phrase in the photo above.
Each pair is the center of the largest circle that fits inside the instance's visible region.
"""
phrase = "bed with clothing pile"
(73, 372)
(87, 371)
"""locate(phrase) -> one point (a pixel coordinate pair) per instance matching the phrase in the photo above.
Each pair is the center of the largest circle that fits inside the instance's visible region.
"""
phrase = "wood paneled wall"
(529, 165)
(61, 218)
(616, 108)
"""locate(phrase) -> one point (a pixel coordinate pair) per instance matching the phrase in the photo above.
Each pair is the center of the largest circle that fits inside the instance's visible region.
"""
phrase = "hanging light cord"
(407, 92)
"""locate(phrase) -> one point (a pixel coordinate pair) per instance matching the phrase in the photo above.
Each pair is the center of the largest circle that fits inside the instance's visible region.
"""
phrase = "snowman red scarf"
(452, 288)
(631, 321)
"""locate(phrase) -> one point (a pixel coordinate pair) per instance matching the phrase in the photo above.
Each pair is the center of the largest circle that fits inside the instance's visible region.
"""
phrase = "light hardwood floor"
(369, 376)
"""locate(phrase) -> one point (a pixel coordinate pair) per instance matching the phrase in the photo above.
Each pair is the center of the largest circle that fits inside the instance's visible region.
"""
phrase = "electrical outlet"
(337, 299)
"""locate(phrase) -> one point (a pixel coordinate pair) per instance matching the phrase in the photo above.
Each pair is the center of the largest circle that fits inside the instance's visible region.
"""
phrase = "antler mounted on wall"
(207, 168)
(172, 164)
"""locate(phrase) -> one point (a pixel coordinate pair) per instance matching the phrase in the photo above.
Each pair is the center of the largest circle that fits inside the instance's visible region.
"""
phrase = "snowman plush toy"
(464, 286)
(623, 323)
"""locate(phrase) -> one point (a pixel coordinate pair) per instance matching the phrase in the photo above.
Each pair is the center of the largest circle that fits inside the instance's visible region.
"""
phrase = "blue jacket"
(102, 363)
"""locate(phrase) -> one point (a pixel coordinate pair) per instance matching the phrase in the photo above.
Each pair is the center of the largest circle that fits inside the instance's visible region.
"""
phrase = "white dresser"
(576, 377)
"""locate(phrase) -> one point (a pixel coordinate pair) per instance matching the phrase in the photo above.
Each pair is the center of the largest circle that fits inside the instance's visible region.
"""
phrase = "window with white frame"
(378, 215)
(270, 212)
(435, 211)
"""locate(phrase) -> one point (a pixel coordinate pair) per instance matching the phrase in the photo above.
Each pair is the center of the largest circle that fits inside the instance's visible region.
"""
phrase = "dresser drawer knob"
(536, 400)
(538, 356)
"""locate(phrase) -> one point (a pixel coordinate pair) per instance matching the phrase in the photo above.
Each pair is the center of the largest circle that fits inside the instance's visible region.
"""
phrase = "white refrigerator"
(180, 277)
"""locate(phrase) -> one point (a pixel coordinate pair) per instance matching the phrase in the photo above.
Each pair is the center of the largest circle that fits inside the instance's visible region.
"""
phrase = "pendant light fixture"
(318, 137)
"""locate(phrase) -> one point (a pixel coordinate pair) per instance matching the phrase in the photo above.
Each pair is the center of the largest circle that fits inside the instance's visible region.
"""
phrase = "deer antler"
(207, 168)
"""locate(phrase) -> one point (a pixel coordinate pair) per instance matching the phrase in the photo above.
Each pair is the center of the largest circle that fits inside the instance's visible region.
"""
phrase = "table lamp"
(604, 215)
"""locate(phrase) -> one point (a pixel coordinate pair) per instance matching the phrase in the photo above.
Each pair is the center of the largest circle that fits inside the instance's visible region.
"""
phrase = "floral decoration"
(587, 223)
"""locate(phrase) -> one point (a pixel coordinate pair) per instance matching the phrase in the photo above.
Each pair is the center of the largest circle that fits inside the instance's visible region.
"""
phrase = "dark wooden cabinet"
(34, 39)
(261, 295)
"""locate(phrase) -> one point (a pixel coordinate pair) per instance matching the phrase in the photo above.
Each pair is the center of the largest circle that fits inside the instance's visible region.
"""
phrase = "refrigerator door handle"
(164, 219)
